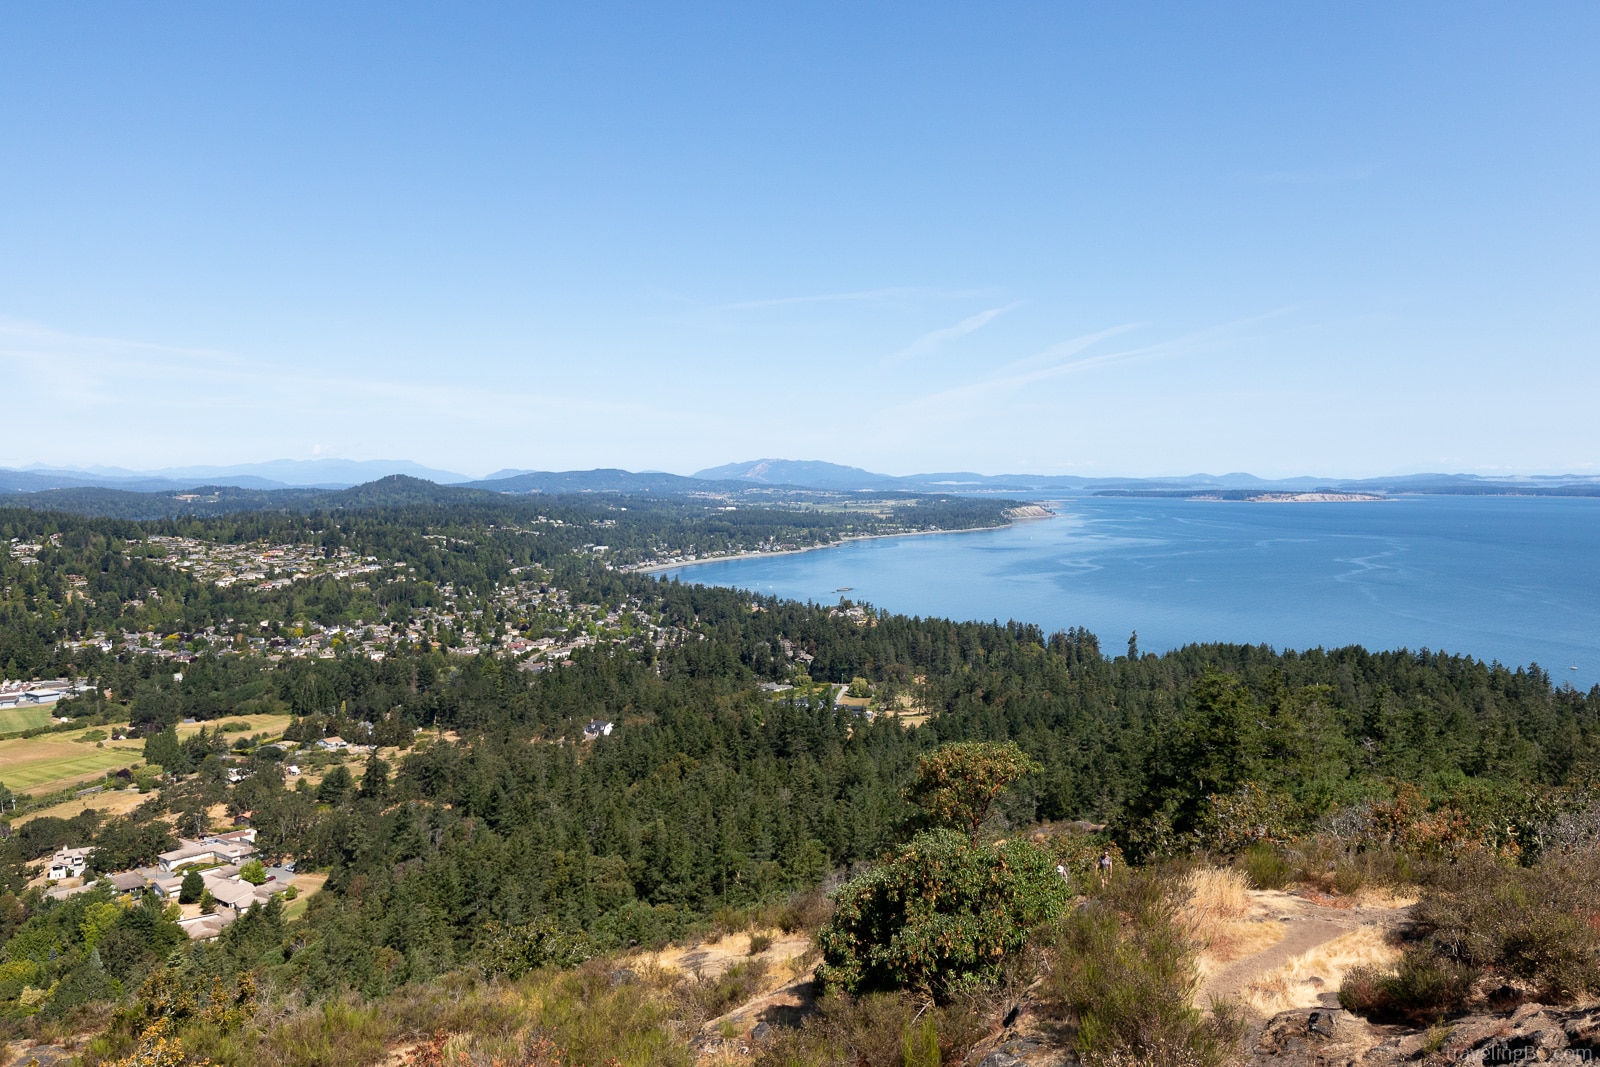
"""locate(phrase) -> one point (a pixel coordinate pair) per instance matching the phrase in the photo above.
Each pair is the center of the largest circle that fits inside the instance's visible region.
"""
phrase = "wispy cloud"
(1309, 176)
(1064, 359)
(930, 341)
(157, 395)
(1064, 350)
(891, 293)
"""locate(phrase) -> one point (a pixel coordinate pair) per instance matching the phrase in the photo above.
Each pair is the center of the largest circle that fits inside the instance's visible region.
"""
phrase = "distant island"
(1321, 496)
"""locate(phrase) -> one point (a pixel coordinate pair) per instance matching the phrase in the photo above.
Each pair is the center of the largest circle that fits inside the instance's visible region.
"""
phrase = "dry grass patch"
(109, 803)
(262, 723)
(1303, 980)
(1223, 918)
(1385, 896)
(711, 959)
(306, 886)
(1217, 893)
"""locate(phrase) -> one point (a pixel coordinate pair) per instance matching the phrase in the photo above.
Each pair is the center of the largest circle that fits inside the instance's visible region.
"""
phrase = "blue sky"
(1104, 239)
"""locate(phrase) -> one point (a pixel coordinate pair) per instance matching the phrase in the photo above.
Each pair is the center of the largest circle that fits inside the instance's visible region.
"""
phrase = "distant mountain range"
(818, 475)
(230, 484)
(395, 490)
(275, 474)
(603, 480)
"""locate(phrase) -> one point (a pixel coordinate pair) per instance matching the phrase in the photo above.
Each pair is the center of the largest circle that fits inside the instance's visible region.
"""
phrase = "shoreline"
(655, 568)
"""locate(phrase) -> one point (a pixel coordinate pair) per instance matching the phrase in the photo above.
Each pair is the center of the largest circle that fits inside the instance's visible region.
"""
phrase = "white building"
(68, 863)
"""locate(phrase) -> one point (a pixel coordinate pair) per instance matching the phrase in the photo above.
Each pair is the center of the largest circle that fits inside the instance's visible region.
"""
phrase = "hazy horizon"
(421, 469)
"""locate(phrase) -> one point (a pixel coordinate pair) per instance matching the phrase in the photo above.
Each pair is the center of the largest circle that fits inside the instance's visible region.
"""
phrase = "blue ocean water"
(1514, 579)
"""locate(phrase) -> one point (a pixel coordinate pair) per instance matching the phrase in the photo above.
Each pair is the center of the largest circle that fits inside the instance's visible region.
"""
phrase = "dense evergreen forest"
(713, 792)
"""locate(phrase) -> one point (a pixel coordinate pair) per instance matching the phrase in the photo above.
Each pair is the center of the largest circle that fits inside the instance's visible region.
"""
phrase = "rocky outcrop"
(1533, 1033)
(1025, 1039)
(1314, 1037)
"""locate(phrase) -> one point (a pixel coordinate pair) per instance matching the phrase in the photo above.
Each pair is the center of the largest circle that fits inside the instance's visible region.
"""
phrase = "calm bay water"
(1515, 579)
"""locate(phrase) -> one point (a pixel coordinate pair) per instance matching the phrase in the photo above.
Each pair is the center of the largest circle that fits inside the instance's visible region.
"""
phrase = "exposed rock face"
(1531, 1034)
(1025, 1040)
(1314, 1037)
(998, 1058)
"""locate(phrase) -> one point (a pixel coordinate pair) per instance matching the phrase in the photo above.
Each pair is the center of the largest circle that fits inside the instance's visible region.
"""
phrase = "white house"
(232, 847)
(68, 863)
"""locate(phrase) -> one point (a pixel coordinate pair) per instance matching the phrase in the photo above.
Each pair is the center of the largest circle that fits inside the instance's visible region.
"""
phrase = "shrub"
(1246, 818)
(1336, 867)
(941, 915)
(957, 784)
(637, 924)
(1422, 990)
(919, 1043)
(1266, 866)
(1131, 982)
(1537, 924)
(759, 943)
(806, 911)
(882, 1028)
(707, 998)
(726, 921)
(512, 951)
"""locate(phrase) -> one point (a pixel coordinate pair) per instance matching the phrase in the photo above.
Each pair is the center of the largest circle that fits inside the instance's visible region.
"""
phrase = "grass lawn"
(54, 761)
(308, 884)
(29, 764)
(16, 720)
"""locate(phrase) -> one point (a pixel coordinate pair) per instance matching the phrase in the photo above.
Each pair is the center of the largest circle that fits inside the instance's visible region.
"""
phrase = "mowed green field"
(32, 764)
(16, 720)
(54, 761)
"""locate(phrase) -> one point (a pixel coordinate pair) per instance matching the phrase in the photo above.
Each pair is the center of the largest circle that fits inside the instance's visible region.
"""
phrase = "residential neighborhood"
(220, 860)
(525, 620)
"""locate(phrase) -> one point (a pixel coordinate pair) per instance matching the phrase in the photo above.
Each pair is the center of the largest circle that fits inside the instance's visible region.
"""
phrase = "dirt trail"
(784, 998)
(1307, 925)
(711, 960)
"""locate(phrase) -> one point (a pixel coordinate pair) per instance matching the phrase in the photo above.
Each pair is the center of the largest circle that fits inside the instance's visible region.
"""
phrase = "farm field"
(28, 764)
(42, 764)
(15, 720)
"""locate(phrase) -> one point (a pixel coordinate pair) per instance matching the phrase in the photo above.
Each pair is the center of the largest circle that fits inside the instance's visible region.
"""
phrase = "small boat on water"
(847, 588)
